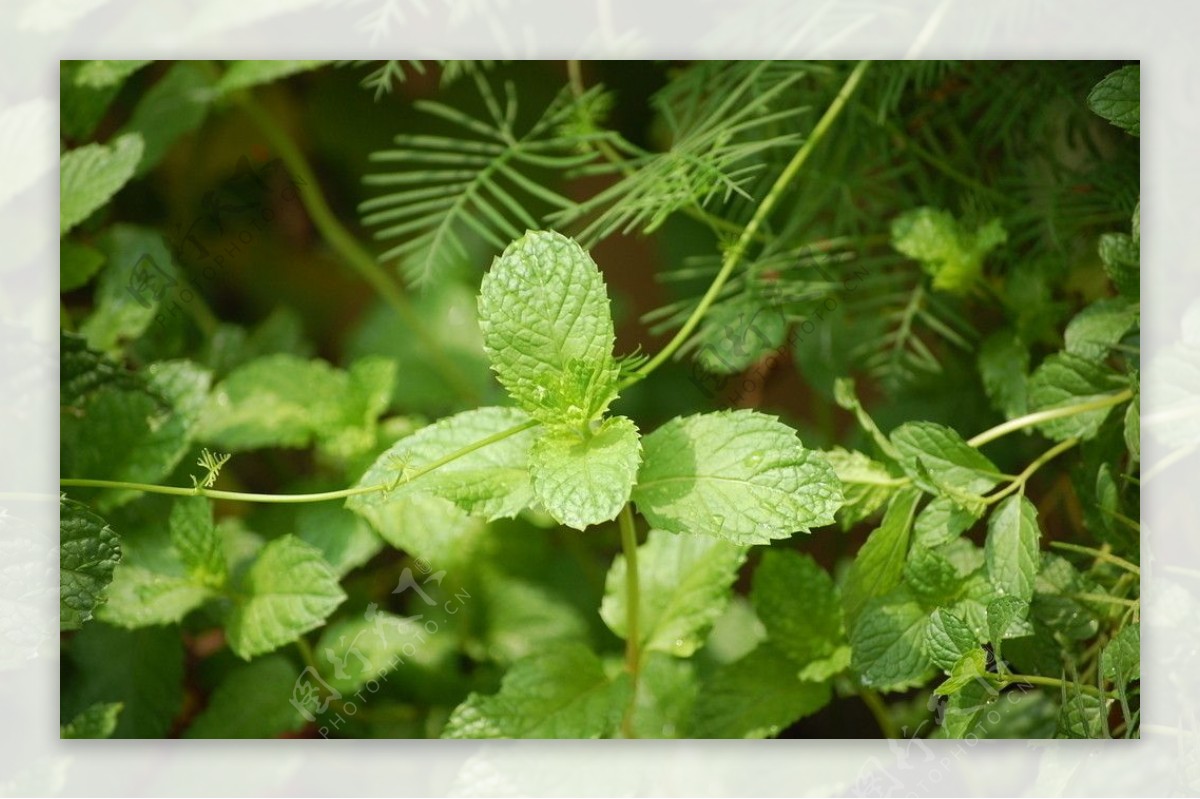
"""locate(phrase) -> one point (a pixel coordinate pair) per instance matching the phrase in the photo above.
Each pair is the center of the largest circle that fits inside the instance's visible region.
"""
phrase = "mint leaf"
(140, 267)
(247, 74)
(491, 481)
(425, 526)
(738, 475)
(1064, 380)
(1011, 547)
(969, 668)
(100, 74)
(667, 692)
(1083, 716)
(253, 701)
(950, 460)
(866, 484)
(98, 721)
(941, 521)
(1117, 98)
(799, 605)
(88, 552)
(1099, 327)
(1121, 659)
(931, 576)
(197, 542)
(344, 539)
(880, 562)
(888, 643)
(946, 250)
(1004, 369)
(756, 697)
(1006, 618)
(583, 479)
(77, 263)
(287, 591)
(352, 652)
(559, 693)
(684, 586)
(947, 639)
(173, 106)
(90, 175)
(547, 329)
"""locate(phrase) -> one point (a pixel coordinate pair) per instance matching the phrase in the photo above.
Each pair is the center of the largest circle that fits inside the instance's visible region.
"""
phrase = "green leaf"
(866, 484)
(583, 480)
(1006, 618)
(99, 74)
(1099, 327)
(1063, 380)
(889, 643)
(941, 521)
(426, 527)
(287, 401)
(756, 697)
(353, 652)
(969, 668)
(684, 586)
(559, 693)
(345, 540)
(880, 562)
(1117, 98)
(946, 250)
(172, 107)
(738, 475)
(142, 670)
(931, 576)
(1053, 604)
(253, 701)
(246, 74)
(1004, 369)
(948, 639)
(82, 371)
(77, 263)
(287, 591)
(1121, 255)
(197, 542)
(667, 692)
(949, 460)
(98, 721)
(1121, 659)
(1083, 716)
(1133, 427)
(798, 603)
(89, 176)
(492, 481)
(547, 329)
(125, 305)
(1011, 547)
(88, 552)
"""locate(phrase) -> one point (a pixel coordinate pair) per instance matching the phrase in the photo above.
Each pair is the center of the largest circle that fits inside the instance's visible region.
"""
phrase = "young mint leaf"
(969, 668)
(880, 562)
(964, 708)
(1120, 661)
(738, 475)
(949, 460)
(947, 639)
(98, 721)
(1004, 369)
(888, 642)
(90, 175)
(287, 591)
(88, 552)
(1099, 327)
(547, 329)
(141, 670)
(253, 701)
(685, 583)
(1011, 547)
(1117, 98)
(585, 480)
(491, 482)
(562, 692)
(756, 697)
(1064, 379)
(798, 603)
(197, 542)
(941, 521)
(866, 484)
(946, 250)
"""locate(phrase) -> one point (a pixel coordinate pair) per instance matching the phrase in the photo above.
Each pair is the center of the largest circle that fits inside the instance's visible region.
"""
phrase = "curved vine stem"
(735, 253)
(1038, 417)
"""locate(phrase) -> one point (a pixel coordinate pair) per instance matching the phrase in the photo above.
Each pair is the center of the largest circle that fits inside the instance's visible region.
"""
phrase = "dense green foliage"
(720, 399)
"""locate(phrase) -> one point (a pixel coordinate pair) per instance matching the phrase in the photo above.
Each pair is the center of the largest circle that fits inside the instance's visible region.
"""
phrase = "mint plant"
(474, 516)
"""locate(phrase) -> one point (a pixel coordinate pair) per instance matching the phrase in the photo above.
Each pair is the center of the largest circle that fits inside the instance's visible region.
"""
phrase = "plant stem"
(633, 653)
(735, 253)
(1031, 419)
(1020, 480)
(1049, 682)
(296, 498)
(875, 703)
(342, 242)
(1099, 555)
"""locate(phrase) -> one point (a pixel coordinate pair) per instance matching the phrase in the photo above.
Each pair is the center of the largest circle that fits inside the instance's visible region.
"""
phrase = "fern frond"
(483, 185)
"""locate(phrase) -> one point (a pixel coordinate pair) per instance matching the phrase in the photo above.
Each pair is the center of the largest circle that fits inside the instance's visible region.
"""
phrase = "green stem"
(735, 253)
(342, 242)
(306, 653)
(297, 498)
(875, 703)
(1048, 682)
(1098, 555)
(1020, 480)
(633, 654)
(1031, 419)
